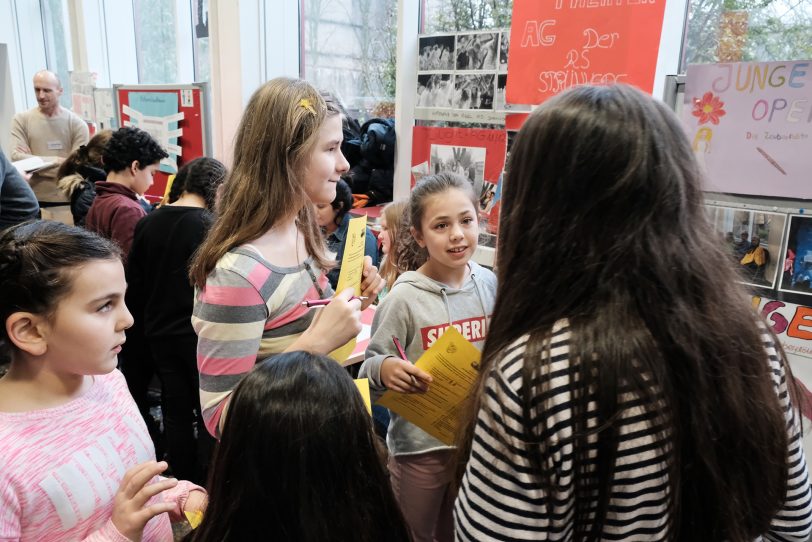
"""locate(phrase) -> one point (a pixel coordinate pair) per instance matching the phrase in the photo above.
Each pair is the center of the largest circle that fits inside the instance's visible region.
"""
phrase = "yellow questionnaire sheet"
(363, 387)
(352, 267)
(453, 364)
(195, 518)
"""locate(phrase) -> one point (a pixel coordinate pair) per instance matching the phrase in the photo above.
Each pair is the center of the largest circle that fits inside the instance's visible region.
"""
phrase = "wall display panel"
(559, 44)
(796, 271)
(476, 154)
(753, 239)
(175, 115)
(462, 77)
(750, 124)
(792, 324)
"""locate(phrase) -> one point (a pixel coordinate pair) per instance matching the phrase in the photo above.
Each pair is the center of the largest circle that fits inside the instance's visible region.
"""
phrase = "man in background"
(51, 132)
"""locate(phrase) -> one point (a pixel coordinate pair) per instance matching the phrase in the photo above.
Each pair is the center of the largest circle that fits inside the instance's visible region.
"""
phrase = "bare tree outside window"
(350, 51)
(57, 43)
(748, 30)
(156, 41)
(461, 15)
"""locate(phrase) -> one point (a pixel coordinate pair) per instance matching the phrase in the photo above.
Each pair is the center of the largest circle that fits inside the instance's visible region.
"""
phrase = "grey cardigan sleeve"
(17, 200)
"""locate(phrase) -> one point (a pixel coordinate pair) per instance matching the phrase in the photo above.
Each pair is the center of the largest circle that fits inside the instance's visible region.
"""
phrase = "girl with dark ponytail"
(79, 172)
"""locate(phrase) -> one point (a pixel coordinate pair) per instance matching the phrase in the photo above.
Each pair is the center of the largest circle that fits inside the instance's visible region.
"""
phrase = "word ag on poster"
(750, 123)
(558, 44)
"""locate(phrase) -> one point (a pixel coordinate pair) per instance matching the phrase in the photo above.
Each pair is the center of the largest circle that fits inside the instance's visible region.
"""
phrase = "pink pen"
(402, 355)
(310, 303)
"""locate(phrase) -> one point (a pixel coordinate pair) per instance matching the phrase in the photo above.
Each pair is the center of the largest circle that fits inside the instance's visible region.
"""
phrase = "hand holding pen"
(310, 303)
(333, 325)
(401, 375)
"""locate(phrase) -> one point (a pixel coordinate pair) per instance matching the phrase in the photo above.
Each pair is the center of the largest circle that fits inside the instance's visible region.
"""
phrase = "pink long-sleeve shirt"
(61, 467)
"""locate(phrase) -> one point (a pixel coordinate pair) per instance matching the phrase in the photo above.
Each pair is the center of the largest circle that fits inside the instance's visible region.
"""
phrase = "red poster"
(478, 155)
(558, 44)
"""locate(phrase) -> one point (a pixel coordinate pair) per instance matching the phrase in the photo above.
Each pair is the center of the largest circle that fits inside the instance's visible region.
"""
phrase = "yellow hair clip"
(304, 102)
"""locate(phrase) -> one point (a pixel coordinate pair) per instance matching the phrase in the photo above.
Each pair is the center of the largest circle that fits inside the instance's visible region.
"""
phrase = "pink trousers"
(422, 486)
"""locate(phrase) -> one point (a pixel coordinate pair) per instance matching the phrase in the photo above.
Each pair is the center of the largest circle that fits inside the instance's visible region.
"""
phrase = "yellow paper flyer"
(453, 363)
(363, 387)
(195, 518)
(352, 267)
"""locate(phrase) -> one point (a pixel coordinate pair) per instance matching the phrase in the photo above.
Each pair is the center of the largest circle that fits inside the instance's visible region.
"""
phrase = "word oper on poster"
(750, 125)
(558, 44)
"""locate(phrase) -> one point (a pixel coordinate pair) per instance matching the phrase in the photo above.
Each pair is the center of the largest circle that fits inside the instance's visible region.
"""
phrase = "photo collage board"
(464, 72)
(771, 249)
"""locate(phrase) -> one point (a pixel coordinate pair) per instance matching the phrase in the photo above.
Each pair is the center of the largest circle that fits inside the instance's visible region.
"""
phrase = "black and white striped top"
(500, 498)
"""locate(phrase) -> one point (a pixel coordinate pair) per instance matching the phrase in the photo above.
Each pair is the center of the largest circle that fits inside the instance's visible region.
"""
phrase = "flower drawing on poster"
(749, 126)
(708, 109)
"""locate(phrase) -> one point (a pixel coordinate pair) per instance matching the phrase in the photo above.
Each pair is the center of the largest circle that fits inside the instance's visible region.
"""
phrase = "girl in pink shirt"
(78, 463)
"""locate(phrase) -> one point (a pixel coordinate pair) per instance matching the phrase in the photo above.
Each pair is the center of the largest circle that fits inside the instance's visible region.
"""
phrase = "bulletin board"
(176, 115)
(558, 45)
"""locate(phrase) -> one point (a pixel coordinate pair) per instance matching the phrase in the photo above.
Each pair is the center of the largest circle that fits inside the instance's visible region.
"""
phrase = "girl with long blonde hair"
(264, 254)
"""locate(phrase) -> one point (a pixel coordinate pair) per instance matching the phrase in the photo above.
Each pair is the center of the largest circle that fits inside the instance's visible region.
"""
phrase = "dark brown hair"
(603, 225)
(85, 155)
(36, 263)
(298, 460)
(410, 255)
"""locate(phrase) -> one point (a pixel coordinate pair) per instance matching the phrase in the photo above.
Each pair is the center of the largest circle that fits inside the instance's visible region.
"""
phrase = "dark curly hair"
(130, 144)
(201, 176)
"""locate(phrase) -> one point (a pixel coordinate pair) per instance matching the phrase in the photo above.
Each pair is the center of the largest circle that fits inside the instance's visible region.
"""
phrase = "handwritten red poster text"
(558, 44)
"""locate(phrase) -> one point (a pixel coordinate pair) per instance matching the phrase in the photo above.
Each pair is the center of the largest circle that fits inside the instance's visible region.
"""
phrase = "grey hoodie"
(417, 310)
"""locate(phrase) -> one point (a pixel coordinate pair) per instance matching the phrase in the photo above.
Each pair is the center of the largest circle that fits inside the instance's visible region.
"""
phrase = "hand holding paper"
(452, 365)
(401, 376)
(352, 269)
(372, 282)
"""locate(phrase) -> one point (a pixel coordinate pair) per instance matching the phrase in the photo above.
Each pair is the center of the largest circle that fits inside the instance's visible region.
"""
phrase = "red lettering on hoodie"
(472, 329)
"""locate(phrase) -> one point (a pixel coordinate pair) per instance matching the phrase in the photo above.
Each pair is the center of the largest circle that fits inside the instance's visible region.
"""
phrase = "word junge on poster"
(560, 44)
(750, 125)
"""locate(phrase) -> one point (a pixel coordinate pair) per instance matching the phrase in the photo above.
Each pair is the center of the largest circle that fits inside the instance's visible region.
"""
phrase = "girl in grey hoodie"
(444, 289)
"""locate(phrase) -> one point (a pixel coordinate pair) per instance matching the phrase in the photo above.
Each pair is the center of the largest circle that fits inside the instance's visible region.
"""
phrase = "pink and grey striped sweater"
(61, 467)
(249, 310)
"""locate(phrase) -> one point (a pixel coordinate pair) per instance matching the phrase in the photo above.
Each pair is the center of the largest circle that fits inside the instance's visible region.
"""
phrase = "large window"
(200, 38)
(156, 42)
(349, 50)
(57, 43)
(461, 15)
(748, 30)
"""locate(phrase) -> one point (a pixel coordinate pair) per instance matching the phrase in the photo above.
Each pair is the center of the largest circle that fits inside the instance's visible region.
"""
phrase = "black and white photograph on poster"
(504, 41)
(796, 273)
(466, 161)
(501, 83)
(477, 51)
(486, 197)
(436, 53)
(753, 239)
(435, 90)
(473, 92)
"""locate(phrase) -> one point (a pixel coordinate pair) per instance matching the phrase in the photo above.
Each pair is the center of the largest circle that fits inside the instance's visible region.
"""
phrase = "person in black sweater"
(161, 296)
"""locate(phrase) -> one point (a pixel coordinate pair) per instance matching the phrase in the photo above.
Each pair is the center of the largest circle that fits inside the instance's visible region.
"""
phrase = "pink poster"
(750, 124)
